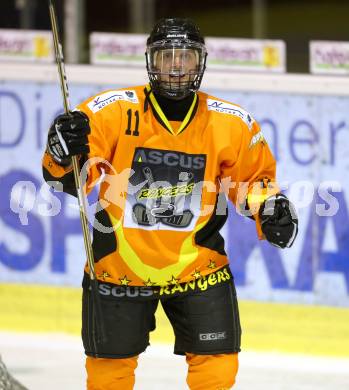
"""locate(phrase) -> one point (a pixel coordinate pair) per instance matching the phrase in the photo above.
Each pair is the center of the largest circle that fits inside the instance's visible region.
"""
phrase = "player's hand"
(279, 221)
(67, 137)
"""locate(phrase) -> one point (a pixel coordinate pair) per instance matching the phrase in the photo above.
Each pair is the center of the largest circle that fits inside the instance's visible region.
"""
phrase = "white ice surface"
(56, 362)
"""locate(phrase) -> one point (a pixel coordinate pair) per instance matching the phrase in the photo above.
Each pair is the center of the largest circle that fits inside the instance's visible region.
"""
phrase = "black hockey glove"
(67, 137)
(279, 221)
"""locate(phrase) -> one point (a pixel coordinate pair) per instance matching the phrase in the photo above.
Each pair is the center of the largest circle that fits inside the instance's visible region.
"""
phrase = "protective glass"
(176, 69)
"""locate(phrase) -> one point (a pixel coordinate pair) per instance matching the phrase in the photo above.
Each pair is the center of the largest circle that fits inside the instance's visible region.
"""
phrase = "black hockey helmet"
(176, 57)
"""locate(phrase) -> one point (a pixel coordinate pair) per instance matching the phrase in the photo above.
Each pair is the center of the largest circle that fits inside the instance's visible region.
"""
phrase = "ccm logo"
(212, 336)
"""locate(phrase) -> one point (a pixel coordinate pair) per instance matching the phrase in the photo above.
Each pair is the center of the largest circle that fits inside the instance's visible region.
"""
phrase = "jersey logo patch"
(165, 189)
(103, 100)
(232, 109)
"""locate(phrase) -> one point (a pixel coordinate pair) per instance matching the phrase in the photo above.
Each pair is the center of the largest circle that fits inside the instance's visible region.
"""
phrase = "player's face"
(176, 64)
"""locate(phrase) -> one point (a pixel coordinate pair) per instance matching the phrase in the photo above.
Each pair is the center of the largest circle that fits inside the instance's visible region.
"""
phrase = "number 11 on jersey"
(129, 123)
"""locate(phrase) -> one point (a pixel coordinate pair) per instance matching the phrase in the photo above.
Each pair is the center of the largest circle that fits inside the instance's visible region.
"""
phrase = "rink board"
(306, 122)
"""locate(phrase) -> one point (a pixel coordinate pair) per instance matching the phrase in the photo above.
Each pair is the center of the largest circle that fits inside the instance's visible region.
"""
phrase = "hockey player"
(164, 149)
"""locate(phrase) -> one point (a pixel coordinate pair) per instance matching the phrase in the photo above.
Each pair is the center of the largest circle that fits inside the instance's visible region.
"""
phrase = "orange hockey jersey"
(161, 202)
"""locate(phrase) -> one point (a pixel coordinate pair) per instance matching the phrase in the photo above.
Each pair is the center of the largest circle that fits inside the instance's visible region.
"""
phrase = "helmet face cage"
(175, 67)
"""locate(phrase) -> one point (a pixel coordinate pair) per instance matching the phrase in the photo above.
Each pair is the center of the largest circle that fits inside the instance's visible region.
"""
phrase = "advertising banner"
(41, 241)
(254, 55)
(329, 57)
(26, 45)
(117, 49)
(223, 53)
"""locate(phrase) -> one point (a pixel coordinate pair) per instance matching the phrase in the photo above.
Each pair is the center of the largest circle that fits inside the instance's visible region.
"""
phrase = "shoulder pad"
(232, 109)
(106, 98)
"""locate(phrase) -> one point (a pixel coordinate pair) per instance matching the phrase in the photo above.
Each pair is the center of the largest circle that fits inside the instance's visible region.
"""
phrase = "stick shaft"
(77, 178)
(75, 163)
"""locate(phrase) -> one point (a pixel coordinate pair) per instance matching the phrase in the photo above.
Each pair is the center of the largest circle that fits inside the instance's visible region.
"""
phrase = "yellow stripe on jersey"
(163, 117)
(188, 116)
(187, 255)
(257, 198)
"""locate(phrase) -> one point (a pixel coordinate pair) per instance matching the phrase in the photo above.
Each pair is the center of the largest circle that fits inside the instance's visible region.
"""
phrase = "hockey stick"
(78, 184)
